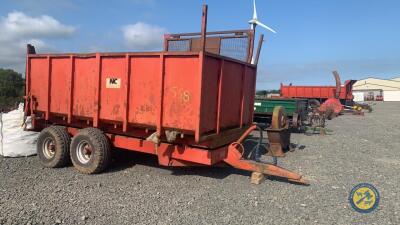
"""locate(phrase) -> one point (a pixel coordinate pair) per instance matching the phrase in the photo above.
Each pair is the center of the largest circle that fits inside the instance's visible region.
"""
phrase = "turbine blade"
(265, 26)
(254, 10)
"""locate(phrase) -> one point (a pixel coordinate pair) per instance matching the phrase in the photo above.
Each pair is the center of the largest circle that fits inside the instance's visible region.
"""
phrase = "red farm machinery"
(330, 100)
(190, 105)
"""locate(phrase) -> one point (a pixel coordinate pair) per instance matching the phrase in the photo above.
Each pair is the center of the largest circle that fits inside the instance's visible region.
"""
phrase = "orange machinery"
(190, 105)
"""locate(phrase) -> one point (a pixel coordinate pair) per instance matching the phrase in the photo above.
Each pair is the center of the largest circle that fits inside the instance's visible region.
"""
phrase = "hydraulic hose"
(256, 151)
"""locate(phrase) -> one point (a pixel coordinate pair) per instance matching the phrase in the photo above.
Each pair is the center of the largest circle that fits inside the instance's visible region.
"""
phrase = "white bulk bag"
(14, 140)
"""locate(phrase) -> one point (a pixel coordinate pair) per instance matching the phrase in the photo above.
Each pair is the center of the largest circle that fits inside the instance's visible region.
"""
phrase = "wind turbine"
(254, 21)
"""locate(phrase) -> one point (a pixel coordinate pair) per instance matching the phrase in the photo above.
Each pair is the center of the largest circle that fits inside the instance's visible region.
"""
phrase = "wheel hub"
(84, 152)
(49, 148)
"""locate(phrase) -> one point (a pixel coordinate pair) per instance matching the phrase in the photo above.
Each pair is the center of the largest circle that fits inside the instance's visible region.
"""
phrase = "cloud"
(12, 54)
(143, 37)
(18, 29)
(19, 25)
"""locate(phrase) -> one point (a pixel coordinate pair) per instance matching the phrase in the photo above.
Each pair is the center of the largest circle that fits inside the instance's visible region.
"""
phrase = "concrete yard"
(137, 191)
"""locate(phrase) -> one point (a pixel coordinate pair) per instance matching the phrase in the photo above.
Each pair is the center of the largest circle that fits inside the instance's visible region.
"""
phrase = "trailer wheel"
(279, 118)
(296, 121)
(314, 103)
(90, 151)
(330, 114)
(53, 146)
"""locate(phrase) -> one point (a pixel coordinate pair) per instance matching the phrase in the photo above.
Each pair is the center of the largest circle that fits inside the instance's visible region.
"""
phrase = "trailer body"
(295, 109)
(321, 93)
(265, 106)
(199, 95)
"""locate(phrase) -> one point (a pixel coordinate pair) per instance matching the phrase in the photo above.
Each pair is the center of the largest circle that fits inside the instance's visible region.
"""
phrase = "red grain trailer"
(189, 107)
(321, 93)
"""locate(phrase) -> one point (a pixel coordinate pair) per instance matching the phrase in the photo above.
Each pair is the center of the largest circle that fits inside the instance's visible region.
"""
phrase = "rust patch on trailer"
(115, 110)
(144, 109)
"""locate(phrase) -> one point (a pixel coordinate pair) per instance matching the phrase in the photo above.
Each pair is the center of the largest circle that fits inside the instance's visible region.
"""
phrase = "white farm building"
(374, 89)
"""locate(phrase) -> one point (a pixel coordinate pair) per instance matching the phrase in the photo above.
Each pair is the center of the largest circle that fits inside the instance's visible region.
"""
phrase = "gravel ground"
(137, 191)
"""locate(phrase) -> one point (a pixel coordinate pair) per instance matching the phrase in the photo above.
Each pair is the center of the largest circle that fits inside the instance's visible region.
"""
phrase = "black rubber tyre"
(330, 114)
(90, 151)
(314, 103)
(53, 147)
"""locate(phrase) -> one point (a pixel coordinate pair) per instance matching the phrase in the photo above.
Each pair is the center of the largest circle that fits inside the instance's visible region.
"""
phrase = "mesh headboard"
(233, 44)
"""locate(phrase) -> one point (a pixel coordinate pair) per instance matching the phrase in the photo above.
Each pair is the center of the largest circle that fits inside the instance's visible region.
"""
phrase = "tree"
(262, 92)
(266, 92)
(273, 91)
(11, 88)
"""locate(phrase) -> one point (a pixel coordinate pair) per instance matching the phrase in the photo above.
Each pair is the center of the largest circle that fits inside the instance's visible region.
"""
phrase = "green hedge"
(12, 86)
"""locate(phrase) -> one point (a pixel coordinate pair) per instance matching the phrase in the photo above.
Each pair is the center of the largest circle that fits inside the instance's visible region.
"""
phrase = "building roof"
(377, 84)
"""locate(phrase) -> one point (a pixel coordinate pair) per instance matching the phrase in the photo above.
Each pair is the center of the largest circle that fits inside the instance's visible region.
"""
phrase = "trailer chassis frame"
(175, 155)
